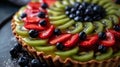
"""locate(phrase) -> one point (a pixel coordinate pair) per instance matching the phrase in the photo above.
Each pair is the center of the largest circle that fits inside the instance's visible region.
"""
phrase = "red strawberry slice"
(90, 40)
(35, 27)
(31, 19)
(34, 5)
(60, 38)
(116, 34)
(49, 2)
(109, 41)
(72, 41)
(47, 33)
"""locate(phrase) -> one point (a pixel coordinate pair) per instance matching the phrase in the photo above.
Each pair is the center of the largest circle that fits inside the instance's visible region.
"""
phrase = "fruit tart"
(70, 33)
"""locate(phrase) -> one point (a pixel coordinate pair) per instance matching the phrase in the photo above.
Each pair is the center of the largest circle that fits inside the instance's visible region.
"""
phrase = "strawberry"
(47, 33)
(89, 41)
(34, 5)
(72, 41)
(109, 41)
(49, 2)
(116, 34)
(31, 19)
(60, 38)
(35, 27)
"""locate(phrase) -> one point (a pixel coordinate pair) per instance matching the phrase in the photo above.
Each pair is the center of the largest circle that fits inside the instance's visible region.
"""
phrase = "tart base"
(57, 60)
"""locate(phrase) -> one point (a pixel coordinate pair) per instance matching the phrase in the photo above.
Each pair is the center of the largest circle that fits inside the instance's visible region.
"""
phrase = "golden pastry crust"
(57, 61)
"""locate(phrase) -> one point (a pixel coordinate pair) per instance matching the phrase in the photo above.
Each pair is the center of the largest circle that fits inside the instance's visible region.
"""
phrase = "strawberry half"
(34, 5)
(47, 33)
(90, 40)
(35, 27)
(49, 2)
(72, 41)
(116, 34)
(31, 19)
(60, 38)
(109, 41)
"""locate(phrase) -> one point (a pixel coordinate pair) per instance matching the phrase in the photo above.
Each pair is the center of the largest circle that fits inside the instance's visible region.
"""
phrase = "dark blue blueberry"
(82, 35)
(102, 35)
(41, 15)
(43, 23)
(57, 31)
(102, 49)
(89, 11)
(72, 16)
(33, 33)
(78, 18)
(67, 13)
(81, 8)
(78, 13)
(35, 63)
(14, 53)
(73, 10)
(23, 15)
(68, 8)
(18, 47)
(98, 9)
(60, 46)
(85, 4)
(88, 18)
(117, 1)
(76, 5)
(97, 17)
(23, 61)
(44, 5)
(116, 27)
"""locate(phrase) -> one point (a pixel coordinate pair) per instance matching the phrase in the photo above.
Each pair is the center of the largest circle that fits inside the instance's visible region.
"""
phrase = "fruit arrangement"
(80, 30)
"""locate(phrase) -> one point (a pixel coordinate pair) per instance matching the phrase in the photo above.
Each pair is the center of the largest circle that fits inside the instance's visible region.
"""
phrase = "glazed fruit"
(33, 33)
(43, 22)
(102, 49)
(117, 27)
(42, 15)
(44, 5)
(82, 35)
(102, 35)
(23, 15)
(60, 46)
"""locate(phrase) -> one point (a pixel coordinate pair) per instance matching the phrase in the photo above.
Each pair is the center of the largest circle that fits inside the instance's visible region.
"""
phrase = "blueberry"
(77, 18)
(116, 27)
(14, 53)
(85, 4)
(117, 1)
(81, 8)
(68, 8)
(23, 61)
(23, 15)
(67, 13)
(78, 13)
(44, 5)
(35, 63)
(18, 47)
(97, 17)
(88, 19)
(43, 23)
(72, 16)
(76, 5)
(73, 10)
(102, 49)
(82, 35)
(33, 33)
(98, 9)
(42, 15)
(60, 46)
(102, 35)
(89, 11)
(57, 31)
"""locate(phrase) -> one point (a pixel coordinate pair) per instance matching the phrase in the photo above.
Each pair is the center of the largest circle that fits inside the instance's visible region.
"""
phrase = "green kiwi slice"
(20, 31)
(55, 18)
(45, 48)
(105, 55)
(95, 1)
(114, 19)
(34, 42)
(86, 57)
(108, 23)
(59, 4)
(65, 2)
(99, 27)
(68, 53)
(89, 27)
(79, 1)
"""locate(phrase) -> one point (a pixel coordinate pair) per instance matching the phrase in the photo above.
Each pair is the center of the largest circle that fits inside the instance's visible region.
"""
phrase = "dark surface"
(6, 12)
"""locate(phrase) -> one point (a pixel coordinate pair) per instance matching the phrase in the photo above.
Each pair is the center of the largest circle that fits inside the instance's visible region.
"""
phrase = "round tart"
(70, 33)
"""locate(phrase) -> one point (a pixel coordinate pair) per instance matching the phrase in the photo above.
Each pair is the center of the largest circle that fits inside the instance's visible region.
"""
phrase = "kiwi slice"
(21, 32)
(86, 57)
(102, 2)
(107, 5)
(88, 1)
(66, 25)
(45, 48)
(59, 5)
(99, 27)
(72, 1)
(88, 27)
(105, 55)
(79, 27)
(34, 42)
(117, 54)
(55, 18)
(79, 1)
(108, 23)
(66, 2)
(56, 9)
(52, 12)
(59, 22)
(114, 19)
(95, 1)
(68, 53)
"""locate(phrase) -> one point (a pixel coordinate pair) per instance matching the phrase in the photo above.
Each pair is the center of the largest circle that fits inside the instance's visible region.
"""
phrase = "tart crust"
(57, 60)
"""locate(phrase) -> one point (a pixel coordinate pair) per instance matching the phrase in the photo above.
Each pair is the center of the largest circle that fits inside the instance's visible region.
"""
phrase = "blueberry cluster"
(85, 12)
(24, 59)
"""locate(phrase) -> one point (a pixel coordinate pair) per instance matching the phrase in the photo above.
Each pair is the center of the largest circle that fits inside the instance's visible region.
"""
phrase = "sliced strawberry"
(90, 40)
(35, 27)
(31, 19)
(72, 41)
(60, 38)
(116, 34)
(34, 5)
(47, 33)
(109, 41)
(49, 2)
